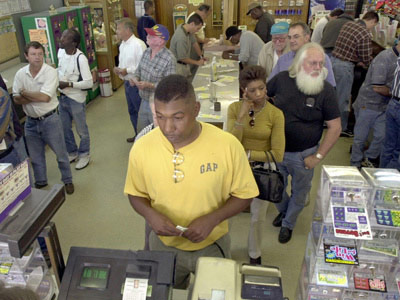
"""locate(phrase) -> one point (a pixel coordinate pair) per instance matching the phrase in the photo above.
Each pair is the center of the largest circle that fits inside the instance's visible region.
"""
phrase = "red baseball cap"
(158, 30)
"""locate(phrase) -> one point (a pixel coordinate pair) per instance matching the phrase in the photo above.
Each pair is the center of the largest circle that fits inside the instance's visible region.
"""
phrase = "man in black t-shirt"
(307, 101)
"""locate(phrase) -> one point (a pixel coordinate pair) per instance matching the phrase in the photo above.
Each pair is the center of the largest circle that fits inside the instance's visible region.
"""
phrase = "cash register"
(226, 279)
(96, 274)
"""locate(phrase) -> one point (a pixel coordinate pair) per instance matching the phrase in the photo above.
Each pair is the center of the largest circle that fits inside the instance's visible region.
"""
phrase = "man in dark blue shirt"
(146, 21)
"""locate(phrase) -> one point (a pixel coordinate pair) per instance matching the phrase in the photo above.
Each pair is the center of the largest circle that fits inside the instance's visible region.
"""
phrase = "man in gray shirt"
(182, 42)
(250, 46)
(370, 108)
(264, 21)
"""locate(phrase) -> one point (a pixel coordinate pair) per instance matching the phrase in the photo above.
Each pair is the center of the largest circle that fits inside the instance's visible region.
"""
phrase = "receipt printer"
(96, 274)
(223, 279)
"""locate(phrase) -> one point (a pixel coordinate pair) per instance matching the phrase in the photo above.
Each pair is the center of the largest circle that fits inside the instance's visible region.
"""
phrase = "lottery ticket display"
(352, 250)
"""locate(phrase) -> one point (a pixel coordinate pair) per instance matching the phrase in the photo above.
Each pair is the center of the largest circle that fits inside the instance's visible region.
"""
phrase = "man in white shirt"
(130, 53)
(320, 26)
(35, 87)
(74, 79)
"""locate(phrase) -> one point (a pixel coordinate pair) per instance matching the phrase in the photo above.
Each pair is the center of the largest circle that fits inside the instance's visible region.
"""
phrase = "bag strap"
(273, 159)
(79, 67)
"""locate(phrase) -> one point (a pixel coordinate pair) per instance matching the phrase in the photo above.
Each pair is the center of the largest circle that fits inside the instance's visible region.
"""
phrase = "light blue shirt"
(286, 60)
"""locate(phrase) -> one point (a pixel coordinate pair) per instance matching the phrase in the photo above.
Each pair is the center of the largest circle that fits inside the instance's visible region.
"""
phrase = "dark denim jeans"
(293, 165)
(391, 147)
(40, 133)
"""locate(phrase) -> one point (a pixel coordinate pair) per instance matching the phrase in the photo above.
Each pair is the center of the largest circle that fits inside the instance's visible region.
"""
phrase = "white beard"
(308, 84)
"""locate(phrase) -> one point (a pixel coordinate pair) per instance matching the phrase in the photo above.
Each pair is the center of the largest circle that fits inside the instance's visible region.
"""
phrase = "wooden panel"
(235, 9)
(273, 5)
(8, 46)
(164, 10)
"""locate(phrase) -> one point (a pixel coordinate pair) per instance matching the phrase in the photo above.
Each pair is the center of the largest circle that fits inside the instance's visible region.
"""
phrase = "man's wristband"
(319, 156)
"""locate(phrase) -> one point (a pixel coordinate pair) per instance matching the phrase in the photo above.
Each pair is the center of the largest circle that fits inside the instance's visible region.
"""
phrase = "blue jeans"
(367, 119)
(293, 165)
(390, 157)
(133, 100)
(49, 131)
(11, 158)
(145, 115)
(344, 76)
(72, 110)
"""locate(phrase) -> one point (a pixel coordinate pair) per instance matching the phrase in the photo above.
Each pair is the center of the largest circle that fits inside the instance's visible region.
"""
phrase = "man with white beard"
(307, 100)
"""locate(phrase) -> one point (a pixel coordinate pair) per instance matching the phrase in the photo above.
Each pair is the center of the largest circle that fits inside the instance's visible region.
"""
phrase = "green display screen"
(94, 277)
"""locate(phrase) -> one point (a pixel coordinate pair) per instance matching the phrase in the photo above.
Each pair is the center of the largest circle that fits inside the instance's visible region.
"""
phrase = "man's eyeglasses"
(252, 114)
(178, 159)
(278, 39)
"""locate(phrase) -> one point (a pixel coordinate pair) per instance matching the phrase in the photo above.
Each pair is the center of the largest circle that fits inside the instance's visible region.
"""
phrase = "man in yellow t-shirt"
(186, 178)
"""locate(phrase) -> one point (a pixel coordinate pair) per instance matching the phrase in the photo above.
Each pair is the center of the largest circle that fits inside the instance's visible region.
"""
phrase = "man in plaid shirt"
(157, 62)
(353, 46)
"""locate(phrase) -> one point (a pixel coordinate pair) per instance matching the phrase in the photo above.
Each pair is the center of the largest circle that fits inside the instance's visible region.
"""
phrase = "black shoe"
(278, 220)
(69, 188)
(40, 185)
(255, 261)
(131, 140)
(347, 133)
(285, 235)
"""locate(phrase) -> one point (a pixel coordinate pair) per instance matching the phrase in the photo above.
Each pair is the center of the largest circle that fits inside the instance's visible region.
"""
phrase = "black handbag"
(270, 182)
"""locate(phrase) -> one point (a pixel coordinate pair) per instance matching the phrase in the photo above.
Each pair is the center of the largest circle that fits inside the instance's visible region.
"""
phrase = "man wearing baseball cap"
(264, 23)
(250, 46)
(157, 62)
(272, 50)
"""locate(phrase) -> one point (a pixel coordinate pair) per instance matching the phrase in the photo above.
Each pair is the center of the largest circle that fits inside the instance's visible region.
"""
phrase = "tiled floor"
(98, 214)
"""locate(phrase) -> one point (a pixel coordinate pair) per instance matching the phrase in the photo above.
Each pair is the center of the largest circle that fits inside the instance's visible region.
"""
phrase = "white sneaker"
(72, 157)
(82, 162)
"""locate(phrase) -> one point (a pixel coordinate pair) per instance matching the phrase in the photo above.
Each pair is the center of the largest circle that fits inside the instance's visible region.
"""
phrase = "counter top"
(226, 89)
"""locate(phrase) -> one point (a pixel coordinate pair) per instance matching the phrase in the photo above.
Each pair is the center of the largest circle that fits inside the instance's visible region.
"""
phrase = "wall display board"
(8, 40)
(8, 7)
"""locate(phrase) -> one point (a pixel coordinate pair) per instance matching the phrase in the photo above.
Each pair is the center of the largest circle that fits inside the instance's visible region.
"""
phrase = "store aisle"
(98, 214)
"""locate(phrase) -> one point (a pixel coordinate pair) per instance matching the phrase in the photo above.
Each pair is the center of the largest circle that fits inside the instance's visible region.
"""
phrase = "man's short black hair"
(196, 19)
(336, 12)
(76, 36)
(34, 45)
(174, 87)
(204, 7)
(371, 15)
(147, 4)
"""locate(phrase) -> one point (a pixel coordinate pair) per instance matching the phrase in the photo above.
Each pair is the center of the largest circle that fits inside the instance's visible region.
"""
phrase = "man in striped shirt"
(353, 46)
(157, 62)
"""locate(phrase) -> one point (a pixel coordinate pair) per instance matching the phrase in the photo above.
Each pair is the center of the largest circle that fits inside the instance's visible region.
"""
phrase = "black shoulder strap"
(79, 68)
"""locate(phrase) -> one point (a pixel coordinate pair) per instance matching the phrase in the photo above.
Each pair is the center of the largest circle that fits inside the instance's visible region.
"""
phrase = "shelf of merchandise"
(367, 266)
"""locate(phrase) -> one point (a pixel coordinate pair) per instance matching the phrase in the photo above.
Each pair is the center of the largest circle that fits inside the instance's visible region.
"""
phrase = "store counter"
(224, 90)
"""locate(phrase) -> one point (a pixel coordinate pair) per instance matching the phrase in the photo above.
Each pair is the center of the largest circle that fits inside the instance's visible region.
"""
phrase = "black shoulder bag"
(270, 182)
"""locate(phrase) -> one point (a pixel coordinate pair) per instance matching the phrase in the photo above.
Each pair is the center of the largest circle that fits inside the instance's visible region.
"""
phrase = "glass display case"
(353, 266)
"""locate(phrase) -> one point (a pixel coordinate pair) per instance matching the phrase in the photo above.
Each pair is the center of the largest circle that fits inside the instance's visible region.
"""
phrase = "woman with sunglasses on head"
(259, 126)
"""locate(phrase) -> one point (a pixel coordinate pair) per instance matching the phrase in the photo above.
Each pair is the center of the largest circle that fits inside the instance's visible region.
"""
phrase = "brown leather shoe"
(69, 188)
(131, 140)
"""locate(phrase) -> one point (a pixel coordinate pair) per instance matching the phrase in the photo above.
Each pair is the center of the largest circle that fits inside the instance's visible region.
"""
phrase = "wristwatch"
(319, 156)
